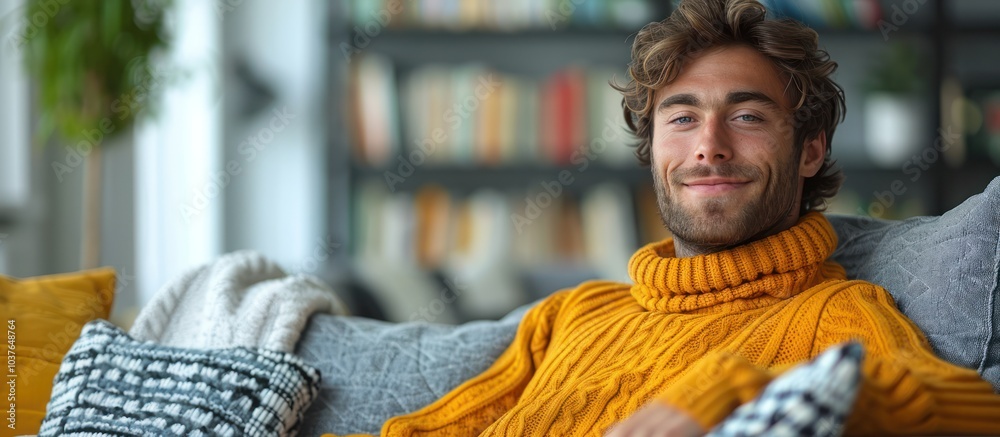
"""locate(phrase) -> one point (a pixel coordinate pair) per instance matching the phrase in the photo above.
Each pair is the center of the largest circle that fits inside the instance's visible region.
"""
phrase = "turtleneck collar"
(749, 276)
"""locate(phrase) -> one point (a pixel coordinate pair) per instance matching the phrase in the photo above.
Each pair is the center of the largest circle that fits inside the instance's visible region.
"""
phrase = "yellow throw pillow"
(41, 318)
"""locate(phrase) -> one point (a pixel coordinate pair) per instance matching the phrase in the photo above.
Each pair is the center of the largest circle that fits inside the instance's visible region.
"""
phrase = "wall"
(277, 204)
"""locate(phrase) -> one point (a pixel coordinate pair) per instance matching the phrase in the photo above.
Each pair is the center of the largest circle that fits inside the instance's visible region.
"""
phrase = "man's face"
(724, 165)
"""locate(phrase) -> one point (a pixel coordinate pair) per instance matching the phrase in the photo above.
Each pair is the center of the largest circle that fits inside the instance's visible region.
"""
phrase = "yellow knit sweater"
(705, 334)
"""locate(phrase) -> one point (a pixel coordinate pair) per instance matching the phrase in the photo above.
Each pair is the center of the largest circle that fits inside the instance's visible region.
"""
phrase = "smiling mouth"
(716, 186)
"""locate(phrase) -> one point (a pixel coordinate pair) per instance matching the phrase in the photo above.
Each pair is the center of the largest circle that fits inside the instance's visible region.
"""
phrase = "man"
(735, 115)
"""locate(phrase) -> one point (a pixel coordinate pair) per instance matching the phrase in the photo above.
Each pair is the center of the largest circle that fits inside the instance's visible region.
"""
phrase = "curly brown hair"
(661, 49)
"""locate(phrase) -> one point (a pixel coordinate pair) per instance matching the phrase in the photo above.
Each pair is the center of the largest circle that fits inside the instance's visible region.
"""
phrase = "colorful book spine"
(473, 115)
(506, 15)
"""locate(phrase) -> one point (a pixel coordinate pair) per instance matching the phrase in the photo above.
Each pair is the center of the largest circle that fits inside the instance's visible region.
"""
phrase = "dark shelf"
(974, 165)
(518, 36)
(472, 177)
(490, 35)
(528, 52)
(874, 34)
(9, 215)
(966, 181)
(976, 31)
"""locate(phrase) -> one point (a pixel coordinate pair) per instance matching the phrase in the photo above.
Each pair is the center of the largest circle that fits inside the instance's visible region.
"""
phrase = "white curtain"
(178, 205)
(14, 138)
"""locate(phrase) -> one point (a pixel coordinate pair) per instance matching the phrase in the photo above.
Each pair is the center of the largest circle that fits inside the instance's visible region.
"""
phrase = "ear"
(813, 155)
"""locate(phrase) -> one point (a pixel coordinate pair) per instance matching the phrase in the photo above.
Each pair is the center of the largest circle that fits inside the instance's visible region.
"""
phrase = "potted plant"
(91, 64)
(895, 107)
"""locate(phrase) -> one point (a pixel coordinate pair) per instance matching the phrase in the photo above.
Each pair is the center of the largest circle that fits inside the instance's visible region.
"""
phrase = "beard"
(717, 223)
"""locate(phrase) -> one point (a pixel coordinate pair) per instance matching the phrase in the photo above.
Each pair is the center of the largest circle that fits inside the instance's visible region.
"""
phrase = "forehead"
(718, 72)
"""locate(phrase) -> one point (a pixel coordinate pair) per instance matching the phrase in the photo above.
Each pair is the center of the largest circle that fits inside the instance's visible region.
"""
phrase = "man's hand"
(657, 419)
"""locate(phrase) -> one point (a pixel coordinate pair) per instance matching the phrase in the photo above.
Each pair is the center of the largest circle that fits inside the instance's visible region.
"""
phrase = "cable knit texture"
(240, 299)
(589, 357)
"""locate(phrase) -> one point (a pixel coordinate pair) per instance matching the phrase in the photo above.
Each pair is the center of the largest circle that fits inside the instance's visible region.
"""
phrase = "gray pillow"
(375, 370)
(942, 271)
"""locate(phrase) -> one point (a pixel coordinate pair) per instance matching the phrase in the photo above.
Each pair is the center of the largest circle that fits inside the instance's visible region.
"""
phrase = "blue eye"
(748, 117)
(682, 120)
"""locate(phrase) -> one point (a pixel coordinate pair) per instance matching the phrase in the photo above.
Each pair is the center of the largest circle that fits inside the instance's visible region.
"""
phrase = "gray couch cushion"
(942, 271)
(375, 370)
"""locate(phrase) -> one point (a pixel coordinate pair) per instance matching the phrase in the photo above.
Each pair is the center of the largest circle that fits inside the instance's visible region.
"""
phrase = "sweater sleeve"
(475, 404)
(715, 386)
(906, 389)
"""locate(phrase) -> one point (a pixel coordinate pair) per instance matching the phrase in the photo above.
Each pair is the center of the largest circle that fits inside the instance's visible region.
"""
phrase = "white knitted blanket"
(241, 299)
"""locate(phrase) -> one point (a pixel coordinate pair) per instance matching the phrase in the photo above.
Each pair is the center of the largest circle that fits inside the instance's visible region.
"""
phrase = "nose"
(714, 146)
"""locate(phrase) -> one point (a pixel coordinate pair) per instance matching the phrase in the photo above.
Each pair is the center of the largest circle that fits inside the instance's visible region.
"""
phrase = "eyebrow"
(737, 97)
(678, 99)
(733, 98)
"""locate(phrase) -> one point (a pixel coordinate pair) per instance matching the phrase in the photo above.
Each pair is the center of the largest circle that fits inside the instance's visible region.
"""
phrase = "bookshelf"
(475, 171)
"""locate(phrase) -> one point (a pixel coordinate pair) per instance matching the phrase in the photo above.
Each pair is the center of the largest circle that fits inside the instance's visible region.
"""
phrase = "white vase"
(895, 128)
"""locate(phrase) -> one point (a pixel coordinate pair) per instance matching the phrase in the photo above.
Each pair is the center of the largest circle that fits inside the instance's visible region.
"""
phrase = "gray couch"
(942, 271)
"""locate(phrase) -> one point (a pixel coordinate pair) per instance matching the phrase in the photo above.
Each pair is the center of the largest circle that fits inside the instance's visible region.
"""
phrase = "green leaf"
(85, 57)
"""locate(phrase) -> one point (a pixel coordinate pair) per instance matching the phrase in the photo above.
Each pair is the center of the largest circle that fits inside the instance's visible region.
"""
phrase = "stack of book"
(502, 15)
(532, 229)
(472, 115)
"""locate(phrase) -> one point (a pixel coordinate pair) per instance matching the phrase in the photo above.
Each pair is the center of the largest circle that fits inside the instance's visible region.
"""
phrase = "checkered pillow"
(812, 399)
(110, 384)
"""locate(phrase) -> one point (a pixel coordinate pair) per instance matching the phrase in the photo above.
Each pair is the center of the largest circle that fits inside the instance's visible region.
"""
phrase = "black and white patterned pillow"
(810, 400)
(111, 384)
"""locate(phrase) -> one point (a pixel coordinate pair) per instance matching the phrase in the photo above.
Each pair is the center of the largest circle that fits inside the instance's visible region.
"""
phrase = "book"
(473, 115)
(462, 15)
(608, 139)
(374, 106)
(434, 217)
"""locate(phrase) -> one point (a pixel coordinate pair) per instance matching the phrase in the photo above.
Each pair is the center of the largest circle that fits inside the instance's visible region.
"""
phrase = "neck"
(683, 248)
